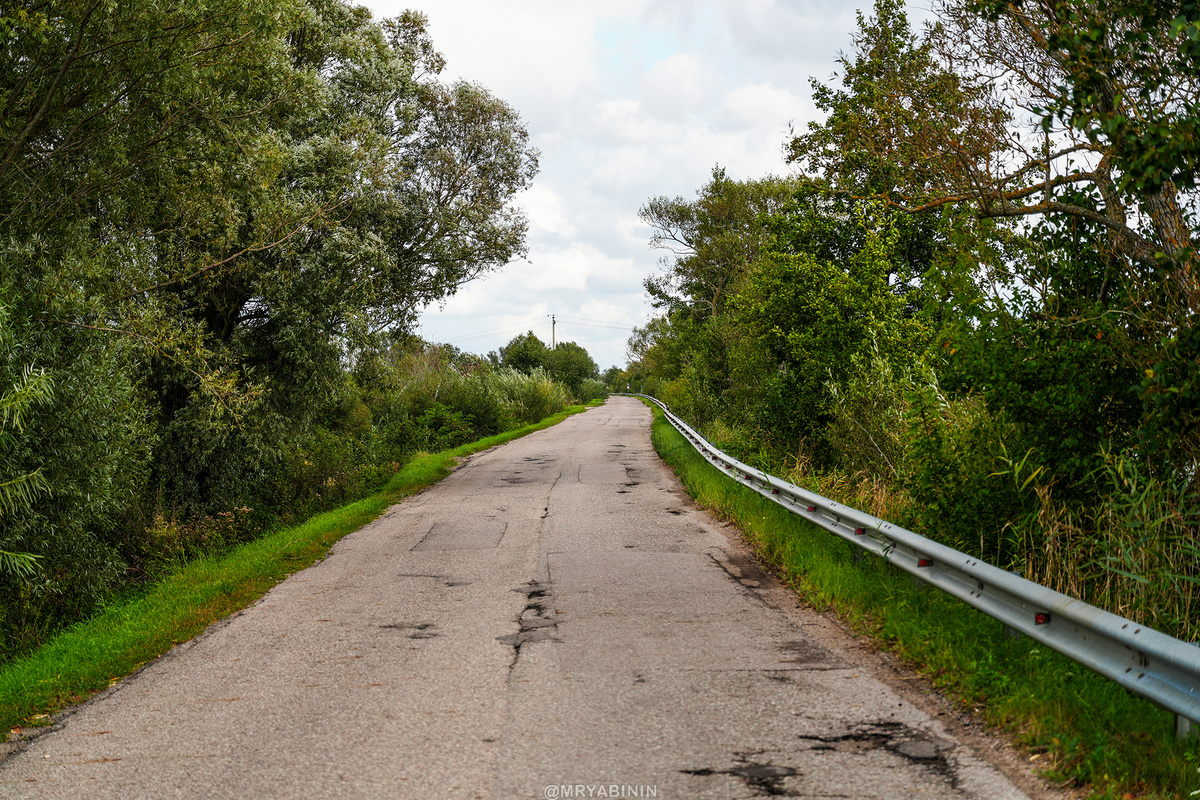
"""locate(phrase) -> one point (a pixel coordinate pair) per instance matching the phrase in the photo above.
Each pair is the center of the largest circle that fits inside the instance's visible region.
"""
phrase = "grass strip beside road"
(1078, 728)
(93, 654)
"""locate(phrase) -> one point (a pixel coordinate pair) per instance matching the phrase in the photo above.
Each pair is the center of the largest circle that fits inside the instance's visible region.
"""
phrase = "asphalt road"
(555, 619)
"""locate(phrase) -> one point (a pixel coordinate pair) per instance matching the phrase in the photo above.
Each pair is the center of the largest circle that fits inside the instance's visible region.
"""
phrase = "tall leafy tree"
(712, 239)
(206, 209)
(525, 353)
(570, 364)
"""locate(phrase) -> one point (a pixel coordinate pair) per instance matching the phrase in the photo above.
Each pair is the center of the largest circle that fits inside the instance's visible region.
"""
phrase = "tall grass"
(1124, 538)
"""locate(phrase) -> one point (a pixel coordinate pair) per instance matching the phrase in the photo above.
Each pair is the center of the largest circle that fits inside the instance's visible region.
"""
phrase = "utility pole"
(552, 343)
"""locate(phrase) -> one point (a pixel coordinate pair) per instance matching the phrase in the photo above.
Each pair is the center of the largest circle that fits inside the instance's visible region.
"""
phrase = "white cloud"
(627, 100)
(752, 105)
(545, 210)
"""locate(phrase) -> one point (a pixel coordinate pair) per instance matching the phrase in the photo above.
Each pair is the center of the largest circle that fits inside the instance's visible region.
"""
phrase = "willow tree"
(205, 210)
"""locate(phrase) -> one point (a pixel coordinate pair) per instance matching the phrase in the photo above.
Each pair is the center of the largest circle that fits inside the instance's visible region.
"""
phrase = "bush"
(529, 398)
(591, 389)
(964, 486)
(868, 413)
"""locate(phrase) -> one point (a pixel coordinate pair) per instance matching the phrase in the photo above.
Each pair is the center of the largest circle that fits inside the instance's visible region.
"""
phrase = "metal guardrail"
(1148, 663)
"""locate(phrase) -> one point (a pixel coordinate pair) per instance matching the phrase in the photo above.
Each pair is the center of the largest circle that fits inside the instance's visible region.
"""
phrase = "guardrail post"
(1186, 728)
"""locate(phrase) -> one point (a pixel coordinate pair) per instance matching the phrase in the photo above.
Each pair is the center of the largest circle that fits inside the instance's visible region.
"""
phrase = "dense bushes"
(397, 403)
(208, 214)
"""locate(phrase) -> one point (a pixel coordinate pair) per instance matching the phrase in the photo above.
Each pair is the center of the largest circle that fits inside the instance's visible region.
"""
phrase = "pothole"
(909, 743)
(766, 780)
(420, 630)
(536, 620)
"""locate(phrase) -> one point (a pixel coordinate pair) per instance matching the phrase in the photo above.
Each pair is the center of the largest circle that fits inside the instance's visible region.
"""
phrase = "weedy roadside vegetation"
(396, 405)
(1077, 728)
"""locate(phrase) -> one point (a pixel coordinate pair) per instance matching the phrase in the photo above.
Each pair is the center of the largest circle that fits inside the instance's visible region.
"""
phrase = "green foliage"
(955, 458)
(713, 240)
(524, 353)
(867, 415)
(1170, 392)
(1146, 545)
(895, 102)
(570, 364)
(591, 389)
(206, 212)
(528, 398)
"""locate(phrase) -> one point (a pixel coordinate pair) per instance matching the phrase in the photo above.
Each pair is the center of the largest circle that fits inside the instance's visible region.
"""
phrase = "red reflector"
(860, 531)
(774, 491)
(1041, 618)
(812, 508)
(925, 562)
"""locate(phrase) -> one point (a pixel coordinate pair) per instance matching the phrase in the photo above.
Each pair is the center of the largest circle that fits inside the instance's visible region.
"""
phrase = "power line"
(516, 326)
(595, 323)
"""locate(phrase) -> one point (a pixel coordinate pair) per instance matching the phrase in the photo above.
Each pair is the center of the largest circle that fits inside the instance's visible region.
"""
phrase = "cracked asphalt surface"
(557, 614)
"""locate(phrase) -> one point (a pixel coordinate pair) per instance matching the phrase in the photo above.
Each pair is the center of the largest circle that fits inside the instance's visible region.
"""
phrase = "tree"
(1041, 108)
(569, 364)
(207, 210)
(109, 115)
(406, 184)
(713, 239)
(1033, 117)
(524, 353)
(800, 322)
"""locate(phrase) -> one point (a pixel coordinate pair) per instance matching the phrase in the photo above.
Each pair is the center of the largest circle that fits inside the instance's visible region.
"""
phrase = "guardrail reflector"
(924, 562)
(1041, 618)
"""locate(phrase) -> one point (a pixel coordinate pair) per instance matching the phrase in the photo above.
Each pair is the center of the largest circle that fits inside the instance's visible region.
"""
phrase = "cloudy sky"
(627, 100)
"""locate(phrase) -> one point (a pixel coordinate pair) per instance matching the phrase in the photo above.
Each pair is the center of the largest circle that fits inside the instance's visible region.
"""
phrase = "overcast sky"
(627, 100)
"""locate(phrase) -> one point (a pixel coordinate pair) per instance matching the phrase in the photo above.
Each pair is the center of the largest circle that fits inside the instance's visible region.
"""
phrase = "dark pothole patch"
(420, 630)
(800, 651)
(536, 621)
(909, 743)
(765, 780)
(515, 480)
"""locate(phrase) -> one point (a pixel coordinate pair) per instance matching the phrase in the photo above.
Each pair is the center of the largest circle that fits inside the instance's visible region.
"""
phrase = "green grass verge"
(1078, 728)
(93, 654)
